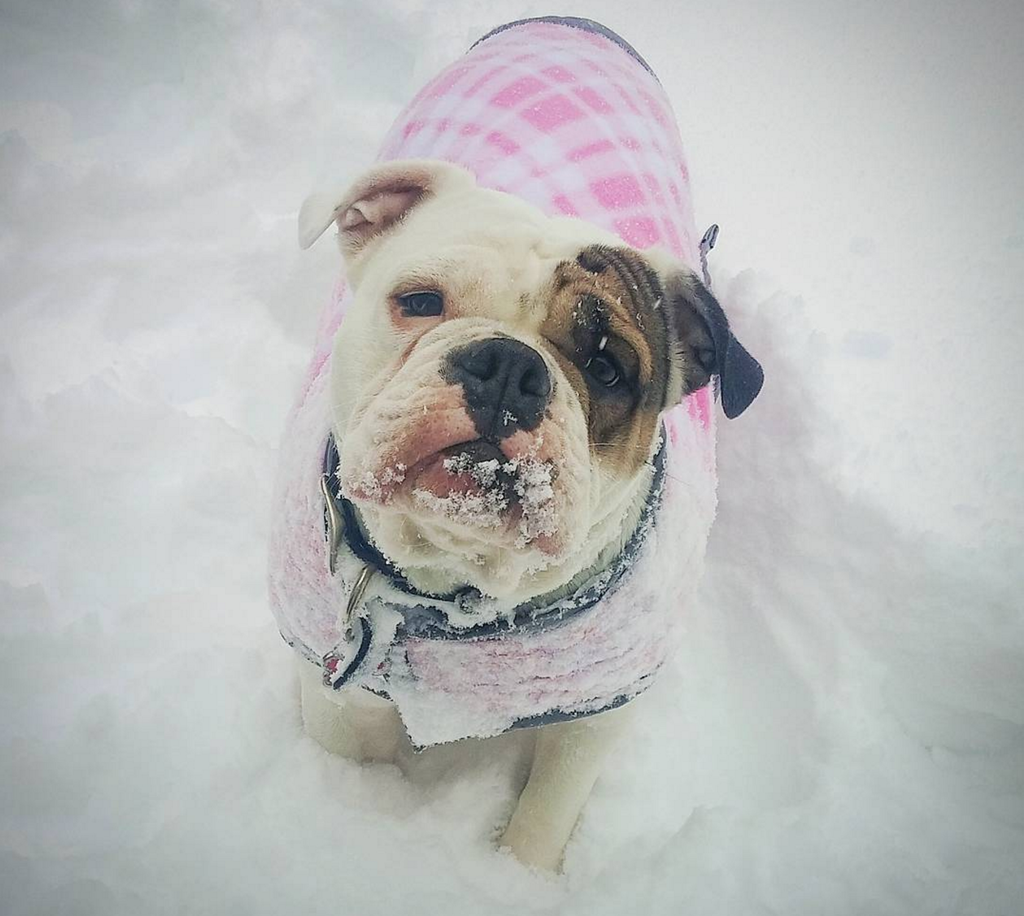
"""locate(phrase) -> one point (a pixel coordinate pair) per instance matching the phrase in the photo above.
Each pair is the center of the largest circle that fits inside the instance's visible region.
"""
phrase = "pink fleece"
(569, 121)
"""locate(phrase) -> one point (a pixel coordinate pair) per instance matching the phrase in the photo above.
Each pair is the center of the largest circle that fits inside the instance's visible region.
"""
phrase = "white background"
(844, 730)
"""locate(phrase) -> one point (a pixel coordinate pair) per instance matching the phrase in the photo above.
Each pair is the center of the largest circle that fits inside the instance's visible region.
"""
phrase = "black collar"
(422, 615)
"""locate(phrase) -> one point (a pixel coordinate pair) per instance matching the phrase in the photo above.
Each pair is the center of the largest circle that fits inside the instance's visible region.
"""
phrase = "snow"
(481, 509)
(843, 730)
(484, 504)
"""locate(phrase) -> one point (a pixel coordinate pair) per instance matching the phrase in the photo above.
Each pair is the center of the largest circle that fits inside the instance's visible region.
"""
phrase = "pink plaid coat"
(574, 122)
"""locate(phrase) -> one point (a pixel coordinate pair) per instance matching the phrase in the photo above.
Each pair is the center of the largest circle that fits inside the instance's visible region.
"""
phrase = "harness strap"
(707, 242)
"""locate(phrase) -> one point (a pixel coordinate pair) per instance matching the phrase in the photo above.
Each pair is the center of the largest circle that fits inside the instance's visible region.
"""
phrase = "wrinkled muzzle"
(475, 447)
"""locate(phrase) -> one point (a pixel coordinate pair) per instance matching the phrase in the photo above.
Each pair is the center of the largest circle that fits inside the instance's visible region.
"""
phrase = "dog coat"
(567, 116)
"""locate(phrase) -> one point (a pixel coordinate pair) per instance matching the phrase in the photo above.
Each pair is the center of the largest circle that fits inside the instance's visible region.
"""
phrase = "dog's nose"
(506, 385)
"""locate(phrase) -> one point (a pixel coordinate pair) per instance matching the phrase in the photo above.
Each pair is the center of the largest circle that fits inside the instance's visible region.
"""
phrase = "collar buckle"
(335, 524)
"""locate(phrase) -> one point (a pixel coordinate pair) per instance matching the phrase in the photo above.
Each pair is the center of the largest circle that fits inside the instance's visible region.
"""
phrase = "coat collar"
(427, 616)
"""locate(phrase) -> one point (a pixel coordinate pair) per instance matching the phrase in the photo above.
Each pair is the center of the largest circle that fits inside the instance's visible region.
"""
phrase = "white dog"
(495, 396)
(513, 506)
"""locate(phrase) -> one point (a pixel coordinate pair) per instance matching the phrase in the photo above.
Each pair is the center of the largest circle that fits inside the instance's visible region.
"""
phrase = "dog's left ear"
(377, 201)
(708, 347)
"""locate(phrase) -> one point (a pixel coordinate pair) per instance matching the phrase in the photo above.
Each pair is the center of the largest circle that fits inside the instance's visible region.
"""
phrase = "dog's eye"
(604, 369)
(423, 304)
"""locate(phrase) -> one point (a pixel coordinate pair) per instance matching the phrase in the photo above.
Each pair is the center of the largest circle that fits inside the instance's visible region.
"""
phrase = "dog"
(497, 484)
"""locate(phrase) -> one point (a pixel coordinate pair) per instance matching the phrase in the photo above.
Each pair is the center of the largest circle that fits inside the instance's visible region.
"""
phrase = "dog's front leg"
(351, 723)
(566, 763)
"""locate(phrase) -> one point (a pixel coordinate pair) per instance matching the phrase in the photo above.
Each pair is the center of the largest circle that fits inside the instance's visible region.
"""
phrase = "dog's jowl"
(496, 488)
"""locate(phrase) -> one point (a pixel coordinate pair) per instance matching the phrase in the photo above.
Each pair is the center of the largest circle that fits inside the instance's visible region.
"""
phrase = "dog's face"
(498, 381)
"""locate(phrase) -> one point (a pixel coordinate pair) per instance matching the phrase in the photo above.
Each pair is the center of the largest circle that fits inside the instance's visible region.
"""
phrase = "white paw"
(534, 849)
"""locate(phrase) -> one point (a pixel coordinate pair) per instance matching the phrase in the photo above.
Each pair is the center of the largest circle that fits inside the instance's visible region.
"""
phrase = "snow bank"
(843, 731)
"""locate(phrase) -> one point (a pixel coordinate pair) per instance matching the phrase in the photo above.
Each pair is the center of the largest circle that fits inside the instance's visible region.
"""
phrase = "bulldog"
(511, 481)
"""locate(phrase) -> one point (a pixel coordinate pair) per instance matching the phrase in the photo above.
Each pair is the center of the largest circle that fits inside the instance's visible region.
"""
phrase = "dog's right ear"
(708, 346)
(379, 199)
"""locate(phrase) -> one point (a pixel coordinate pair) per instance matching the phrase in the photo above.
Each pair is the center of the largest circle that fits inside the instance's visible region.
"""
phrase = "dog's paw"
(532, 848)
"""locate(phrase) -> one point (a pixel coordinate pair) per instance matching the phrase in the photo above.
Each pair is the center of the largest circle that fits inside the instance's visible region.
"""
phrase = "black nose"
(506, 384)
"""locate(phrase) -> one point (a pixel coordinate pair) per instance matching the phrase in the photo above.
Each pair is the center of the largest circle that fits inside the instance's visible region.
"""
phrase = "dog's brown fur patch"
(613, 293)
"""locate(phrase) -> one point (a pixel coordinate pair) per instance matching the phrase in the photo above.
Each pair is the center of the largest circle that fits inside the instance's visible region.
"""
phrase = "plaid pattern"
(568, 120)
(565, 119)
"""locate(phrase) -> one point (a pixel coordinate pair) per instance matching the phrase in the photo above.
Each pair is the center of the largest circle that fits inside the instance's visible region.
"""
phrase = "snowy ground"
(844, 731)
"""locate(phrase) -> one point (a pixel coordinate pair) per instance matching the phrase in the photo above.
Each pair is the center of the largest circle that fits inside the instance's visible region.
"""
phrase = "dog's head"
(499, 379)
